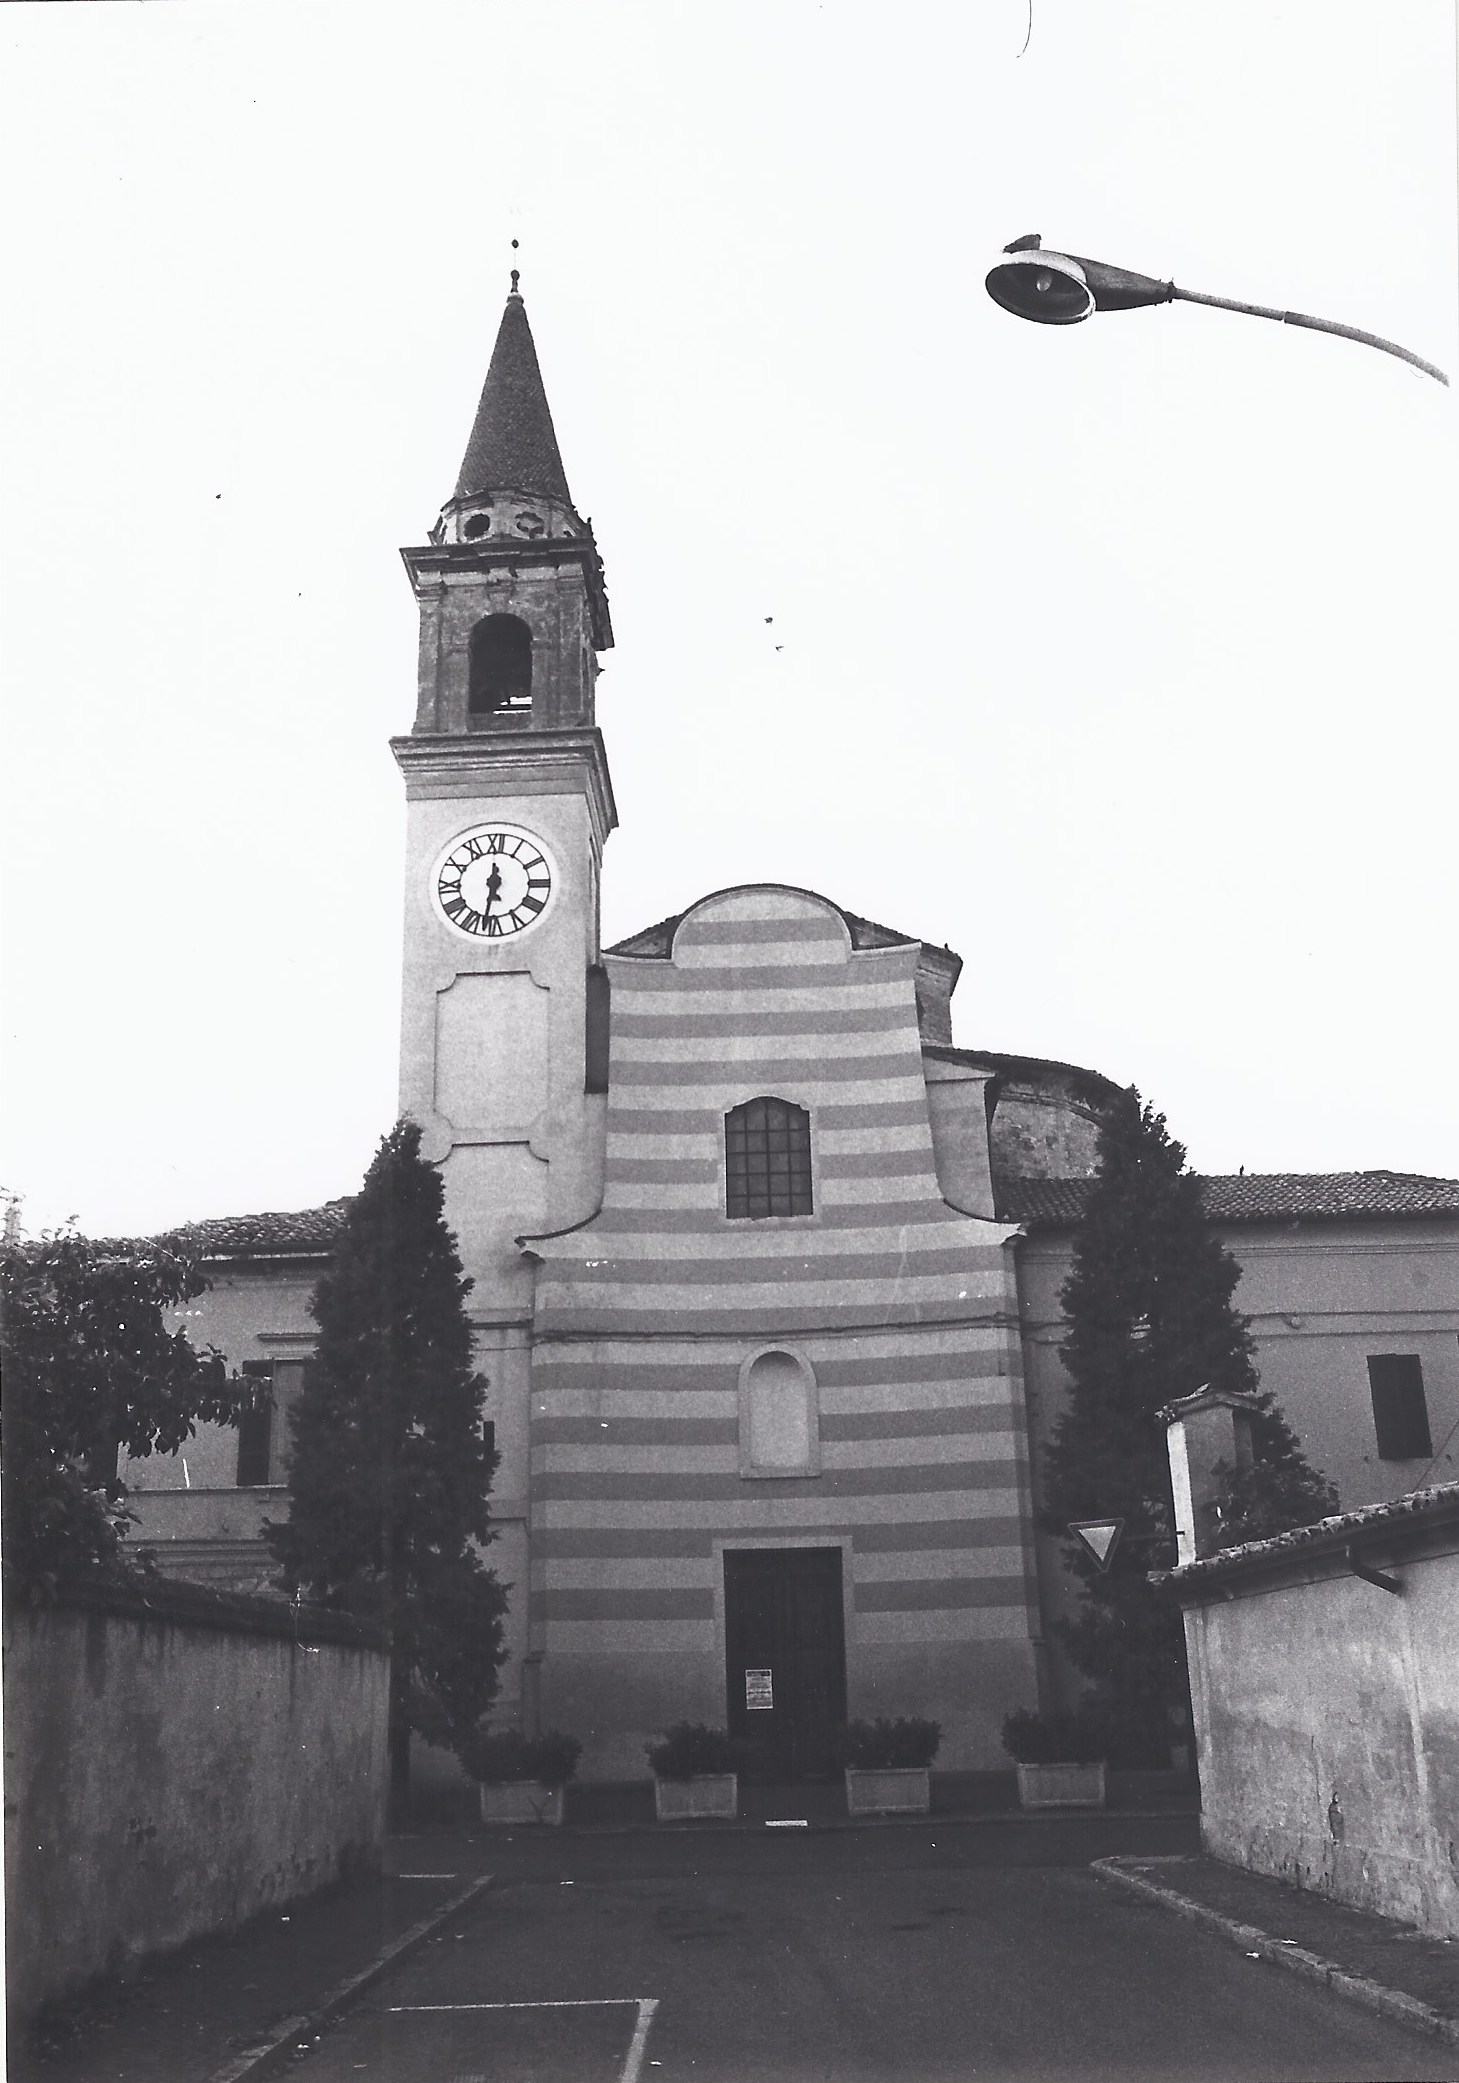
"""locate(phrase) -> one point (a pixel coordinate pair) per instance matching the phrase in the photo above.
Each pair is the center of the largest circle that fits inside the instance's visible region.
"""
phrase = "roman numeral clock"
(493, 881)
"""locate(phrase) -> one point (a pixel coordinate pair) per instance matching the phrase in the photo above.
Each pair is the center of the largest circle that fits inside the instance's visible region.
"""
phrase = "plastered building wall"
(170, 1772)
(1321, 1298)
(188, 1506)
(898, 1307)
(1327, 1731)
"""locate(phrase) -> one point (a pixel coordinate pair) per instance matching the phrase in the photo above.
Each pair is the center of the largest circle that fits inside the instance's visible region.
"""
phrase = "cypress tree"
(390, 1474)
(1150, 1318)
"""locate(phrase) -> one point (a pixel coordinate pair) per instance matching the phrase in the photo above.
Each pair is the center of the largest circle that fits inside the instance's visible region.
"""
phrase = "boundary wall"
(175, 1761)
(1324, 1671)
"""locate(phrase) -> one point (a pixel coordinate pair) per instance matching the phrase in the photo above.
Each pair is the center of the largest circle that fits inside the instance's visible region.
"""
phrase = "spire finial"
(516, 272)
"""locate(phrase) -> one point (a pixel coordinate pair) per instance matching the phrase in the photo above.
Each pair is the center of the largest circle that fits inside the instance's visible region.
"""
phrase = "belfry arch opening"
(501, 669)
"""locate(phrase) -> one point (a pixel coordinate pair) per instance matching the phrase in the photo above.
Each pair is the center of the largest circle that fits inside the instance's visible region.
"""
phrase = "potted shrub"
(696, 1772)
(888, 1766)
(1060, 1758)
(521, 1778)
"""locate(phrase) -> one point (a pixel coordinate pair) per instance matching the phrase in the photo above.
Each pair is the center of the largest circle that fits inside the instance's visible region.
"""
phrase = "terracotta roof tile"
(301, 1233)
(1253, 1197)
(1440, 1501)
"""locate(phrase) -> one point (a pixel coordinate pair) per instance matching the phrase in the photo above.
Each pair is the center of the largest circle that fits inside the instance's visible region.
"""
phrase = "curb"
(1393, 2004)
(342, 1995)
(723, 1826)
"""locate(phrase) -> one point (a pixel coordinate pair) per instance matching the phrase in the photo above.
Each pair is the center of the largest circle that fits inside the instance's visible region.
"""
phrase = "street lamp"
(1062, 288)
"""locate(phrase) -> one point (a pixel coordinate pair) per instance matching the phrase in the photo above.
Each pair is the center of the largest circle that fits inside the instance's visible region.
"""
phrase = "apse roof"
(513, 442)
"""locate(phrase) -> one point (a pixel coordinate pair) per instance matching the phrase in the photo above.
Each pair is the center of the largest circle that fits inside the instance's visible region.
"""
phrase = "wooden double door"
(785, 1659)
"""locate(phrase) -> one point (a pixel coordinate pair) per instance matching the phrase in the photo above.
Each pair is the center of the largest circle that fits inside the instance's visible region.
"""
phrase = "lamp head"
(1061, 288)
(1050, 288)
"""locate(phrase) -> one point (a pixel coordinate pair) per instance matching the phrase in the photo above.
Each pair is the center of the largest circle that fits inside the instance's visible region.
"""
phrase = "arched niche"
(780, 1420)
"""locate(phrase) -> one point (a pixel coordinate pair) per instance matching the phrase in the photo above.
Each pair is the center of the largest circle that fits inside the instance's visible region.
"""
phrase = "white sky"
(1120, 657)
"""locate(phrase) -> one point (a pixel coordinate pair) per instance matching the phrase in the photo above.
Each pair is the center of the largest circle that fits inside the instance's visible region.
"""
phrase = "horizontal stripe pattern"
(763, 994)
(903, 1308)
(645, 1549)
(606, 1643)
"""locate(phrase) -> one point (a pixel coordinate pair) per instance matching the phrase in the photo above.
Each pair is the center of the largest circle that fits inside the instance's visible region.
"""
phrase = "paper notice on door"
(759, 1689)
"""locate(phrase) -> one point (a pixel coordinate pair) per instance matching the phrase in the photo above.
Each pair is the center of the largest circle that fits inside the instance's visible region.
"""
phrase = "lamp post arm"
(1313, 325)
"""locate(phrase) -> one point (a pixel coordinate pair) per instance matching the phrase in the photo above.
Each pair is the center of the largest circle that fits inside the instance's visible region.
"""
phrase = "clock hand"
(493, 885)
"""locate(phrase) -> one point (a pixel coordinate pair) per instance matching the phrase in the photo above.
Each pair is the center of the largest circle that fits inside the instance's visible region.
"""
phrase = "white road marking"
(647, 2005)
(544, 2003)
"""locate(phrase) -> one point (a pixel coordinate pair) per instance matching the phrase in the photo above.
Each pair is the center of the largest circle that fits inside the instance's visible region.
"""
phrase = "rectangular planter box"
(520, 1801)
(1061, 1786)
(888, 1790)
(712, 1794)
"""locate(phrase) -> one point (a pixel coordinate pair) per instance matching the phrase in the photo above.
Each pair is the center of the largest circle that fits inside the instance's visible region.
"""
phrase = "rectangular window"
(263, 1430)
(1400, 1414)
(767, 1159)
(255, 1425)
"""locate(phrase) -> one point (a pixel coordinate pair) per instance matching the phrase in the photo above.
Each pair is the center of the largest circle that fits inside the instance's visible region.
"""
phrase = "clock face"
(493, 881)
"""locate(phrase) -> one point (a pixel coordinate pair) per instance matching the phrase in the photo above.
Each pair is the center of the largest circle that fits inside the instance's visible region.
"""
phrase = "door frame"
(801, 1543)
(770, 1539)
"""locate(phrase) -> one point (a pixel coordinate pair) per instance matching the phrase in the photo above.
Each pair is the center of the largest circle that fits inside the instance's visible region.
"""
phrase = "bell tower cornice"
(536, 763)
(441, 563)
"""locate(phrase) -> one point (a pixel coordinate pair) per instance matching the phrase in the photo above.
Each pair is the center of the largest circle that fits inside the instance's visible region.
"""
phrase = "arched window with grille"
(767, 1159)
(501, 668)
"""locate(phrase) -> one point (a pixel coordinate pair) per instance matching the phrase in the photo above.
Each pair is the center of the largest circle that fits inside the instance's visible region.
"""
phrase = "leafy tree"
(390, 1473)
(1150, 1318)
(1277, 1490)
(92, 1368)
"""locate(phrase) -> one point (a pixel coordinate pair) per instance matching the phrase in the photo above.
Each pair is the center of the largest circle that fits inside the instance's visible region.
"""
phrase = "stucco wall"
(1321, 1298)
(254, 1311)
(1327, 1727)
(169, 1773)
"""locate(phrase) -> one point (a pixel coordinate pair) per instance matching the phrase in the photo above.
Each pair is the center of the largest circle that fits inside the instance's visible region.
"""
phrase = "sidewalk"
(1386, 1967)
(199, 2015)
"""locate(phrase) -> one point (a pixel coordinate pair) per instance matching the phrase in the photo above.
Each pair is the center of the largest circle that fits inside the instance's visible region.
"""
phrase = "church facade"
(765, 1268)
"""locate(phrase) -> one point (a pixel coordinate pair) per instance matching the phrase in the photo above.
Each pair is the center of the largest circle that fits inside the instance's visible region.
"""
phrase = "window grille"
(767, 1159)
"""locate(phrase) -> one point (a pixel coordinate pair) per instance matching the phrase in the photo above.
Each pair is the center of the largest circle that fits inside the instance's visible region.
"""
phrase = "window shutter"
(1400, 1412)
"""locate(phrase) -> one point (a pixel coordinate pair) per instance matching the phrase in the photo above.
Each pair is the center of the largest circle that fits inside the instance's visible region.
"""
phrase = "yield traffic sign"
(1100, 1537)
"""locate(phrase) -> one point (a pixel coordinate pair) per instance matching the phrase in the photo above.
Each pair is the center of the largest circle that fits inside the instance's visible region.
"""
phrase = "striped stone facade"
(898, 1312)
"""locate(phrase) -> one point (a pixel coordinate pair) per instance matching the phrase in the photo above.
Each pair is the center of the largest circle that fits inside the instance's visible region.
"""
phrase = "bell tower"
(509, 805)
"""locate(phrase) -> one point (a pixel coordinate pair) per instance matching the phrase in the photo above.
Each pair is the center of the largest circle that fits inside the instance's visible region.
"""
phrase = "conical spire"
(512, 442)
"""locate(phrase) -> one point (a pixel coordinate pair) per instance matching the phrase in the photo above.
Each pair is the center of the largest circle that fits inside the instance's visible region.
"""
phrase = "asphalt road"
(838, 1958)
